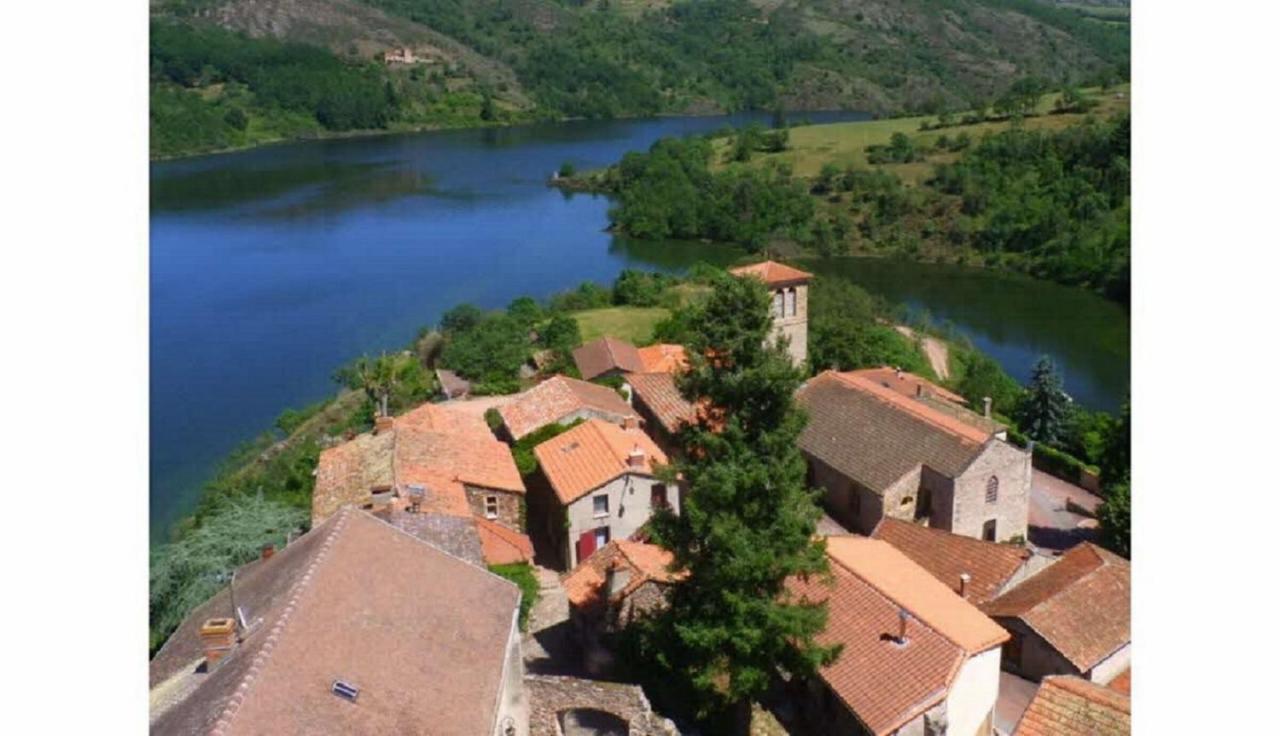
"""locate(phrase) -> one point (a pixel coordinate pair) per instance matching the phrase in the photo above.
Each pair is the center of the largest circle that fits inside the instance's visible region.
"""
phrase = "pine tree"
(1043, 413)
(748, 519)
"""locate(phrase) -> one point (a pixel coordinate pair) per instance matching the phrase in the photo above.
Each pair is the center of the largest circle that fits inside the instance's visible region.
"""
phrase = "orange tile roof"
(592, 454)
(1079, 605)
(647, 562)
(772, 273)
(883, 683)
(905, 383)
(912, 587)
(502, 546)
(605, 354)
(658, 392)
(1070, 706)
(946, 556)
(1123, 682)
(663, 358)
(344, 602)
(557, 398)
(438, 447)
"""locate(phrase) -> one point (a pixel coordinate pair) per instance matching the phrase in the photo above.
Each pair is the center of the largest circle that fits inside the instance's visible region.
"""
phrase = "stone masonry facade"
(509, 512)
(791, 319)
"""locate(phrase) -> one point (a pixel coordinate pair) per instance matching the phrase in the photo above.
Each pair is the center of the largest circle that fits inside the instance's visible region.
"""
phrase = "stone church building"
(790, 289)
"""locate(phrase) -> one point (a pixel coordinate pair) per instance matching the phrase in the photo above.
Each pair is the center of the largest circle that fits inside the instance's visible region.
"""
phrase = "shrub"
(521, 574)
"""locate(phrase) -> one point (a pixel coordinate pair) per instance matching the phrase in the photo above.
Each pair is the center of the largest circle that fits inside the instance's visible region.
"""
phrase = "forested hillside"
(500, 61)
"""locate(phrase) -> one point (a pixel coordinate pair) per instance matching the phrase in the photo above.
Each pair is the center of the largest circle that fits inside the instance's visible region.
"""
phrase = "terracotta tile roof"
(946, 556)
(905, 383)
(646, 562)
(875, 436)
(1070, 706)
(605, 354)
(1079, 605)
(340, 603)
(453, 533)
(592, 454)
(772, 273)
(558, 398)
(663, 358)
(1123, 682)
(501, 545)
(884, 683)
(658, 392)
(435, 446)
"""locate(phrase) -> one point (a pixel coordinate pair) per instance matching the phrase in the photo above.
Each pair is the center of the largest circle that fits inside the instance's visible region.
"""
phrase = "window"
(600, 505)
(658, 496)
(989, 531)
(924, 506)
(993, 489)
(490, 507)
(777, 304)
(791, 302)
(602, 536)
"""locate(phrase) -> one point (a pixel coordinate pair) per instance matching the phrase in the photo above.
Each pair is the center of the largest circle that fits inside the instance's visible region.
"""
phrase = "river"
(272, 267)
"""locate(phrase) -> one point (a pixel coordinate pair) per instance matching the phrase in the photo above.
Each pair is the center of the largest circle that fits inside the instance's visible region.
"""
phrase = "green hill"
(228, 73)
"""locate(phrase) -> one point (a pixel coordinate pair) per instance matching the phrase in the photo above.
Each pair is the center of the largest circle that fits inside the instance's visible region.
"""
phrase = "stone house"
(602, 485)
(1069, 619)
(337, 634)
(789, 288)
(1070, 706)
(437, 472)
(607, 591)
(561, 400)
(977, 571)
(916, 658)
(877, 453)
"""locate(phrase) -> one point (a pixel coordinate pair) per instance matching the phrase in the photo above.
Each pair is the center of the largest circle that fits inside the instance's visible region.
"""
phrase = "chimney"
(217, 635)
(636, 458)
(268, 549)
(383, 424)
(986, 406)
(902, 625)
(964, 584)
(631, 422)
(919, 390)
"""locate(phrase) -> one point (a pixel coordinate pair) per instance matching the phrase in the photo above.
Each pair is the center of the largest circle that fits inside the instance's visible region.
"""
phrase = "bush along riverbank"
(262, 491)
(1041, 186)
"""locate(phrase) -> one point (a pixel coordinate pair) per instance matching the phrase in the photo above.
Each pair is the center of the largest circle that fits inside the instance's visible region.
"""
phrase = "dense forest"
(1054, 204)
(308, 67)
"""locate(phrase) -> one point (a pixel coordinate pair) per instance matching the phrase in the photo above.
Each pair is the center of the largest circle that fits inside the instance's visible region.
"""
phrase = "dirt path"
(934, 349)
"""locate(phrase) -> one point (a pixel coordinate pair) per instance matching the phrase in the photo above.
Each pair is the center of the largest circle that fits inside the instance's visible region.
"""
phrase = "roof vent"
(346, 690)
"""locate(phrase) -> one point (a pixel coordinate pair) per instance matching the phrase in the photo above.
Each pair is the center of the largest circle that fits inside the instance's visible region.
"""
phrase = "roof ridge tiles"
(916, 410)
(264, 652)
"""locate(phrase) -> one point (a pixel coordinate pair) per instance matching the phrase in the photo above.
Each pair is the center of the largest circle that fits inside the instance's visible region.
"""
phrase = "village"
(966, 593)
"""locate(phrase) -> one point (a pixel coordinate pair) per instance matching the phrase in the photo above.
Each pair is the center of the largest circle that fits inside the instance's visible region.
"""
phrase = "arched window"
(791, 302)
(993, 489)
(778, 304)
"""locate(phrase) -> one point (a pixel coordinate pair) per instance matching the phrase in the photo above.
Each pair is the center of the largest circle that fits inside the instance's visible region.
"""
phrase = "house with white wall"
(603, 486)
(916, 657)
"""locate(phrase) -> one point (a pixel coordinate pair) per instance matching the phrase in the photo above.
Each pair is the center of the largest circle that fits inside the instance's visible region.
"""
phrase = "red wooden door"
(586, 544)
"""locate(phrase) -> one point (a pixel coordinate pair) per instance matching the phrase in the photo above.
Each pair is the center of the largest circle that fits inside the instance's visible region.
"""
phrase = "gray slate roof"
(873, 442)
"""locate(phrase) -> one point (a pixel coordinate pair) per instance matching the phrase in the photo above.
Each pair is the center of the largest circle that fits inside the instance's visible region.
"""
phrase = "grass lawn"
(633, 324)
(843, 144)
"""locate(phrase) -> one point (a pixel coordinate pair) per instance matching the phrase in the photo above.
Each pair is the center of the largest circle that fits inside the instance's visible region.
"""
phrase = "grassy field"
(633, 324)
(844, 144)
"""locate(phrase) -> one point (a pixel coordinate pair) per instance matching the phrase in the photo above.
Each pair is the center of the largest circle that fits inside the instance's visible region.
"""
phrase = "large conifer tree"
(748, 518)
(1044, 407)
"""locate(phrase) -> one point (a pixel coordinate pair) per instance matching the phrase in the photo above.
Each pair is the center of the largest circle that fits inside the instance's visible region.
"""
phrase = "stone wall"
(838, 496)
(554, 700)
(508, 506)
(795, 327)
(1038, 659)
(1012, 467)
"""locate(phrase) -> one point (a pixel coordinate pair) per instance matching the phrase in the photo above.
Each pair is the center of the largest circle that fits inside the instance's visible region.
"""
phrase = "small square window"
(490, 507)
(600, 505)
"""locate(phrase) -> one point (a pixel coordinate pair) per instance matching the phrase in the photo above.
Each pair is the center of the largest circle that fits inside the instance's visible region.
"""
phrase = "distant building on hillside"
(878, 453)
(790, 290)
(601, 479)
(353, 628)
(402, 55)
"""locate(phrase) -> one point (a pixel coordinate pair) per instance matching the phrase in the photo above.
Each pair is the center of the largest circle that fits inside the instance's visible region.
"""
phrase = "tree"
(461, 318)
(1114, 465)
(386, 376)
(984, 378)
(525, 310)
(1044, 408)
(748, 519)
(1114, 518)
